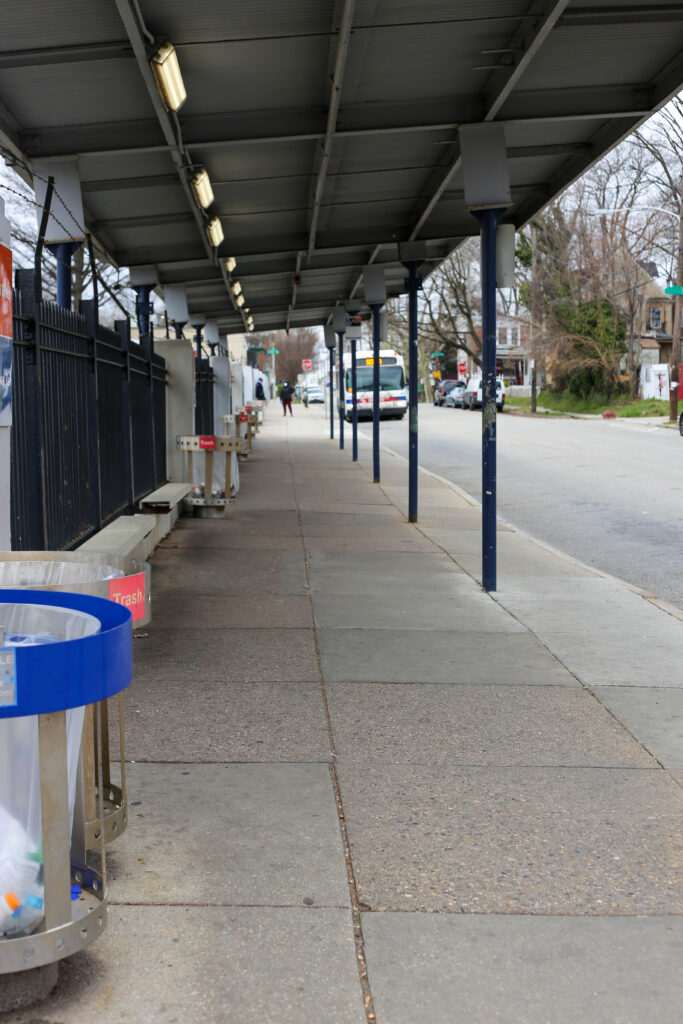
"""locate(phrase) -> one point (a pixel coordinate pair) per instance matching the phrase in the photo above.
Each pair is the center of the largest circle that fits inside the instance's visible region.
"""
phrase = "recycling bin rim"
(71, 673)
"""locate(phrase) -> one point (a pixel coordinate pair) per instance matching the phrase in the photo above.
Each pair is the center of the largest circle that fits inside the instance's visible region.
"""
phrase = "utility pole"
(678, 298)
(533, 318)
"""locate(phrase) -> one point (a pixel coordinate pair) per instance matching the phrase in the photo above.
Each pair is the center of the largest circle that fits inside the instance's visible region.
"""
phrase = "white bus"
(393, 394)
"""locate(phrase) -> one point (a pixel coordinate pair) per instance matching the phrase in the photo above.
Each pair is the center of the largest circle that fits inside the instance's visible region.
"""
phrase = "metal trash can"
(58, 653)
(211, 478)
(128, 582)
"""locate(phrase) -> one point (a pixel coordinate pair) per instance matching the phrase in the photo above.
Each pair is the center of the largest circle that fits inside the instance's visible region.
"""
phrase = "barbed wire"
(33, 202)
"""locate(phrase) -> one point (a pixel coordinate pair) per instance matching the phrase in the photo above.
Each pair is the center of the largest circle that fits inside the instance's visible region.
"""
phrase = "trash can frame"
(89, 774)
(50, 680)
(209, 445)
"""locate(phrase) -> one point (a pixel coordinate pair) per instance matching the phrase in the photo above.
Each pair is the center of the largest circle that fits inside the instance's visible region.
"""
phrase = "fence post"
(122, 328)
(88, 308)
(26, 477)
(147, 346)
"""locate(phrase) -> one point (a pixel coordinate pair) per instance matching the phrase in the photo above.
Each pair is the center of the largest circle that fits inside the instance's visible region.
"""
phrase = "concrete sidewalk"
(363, 790)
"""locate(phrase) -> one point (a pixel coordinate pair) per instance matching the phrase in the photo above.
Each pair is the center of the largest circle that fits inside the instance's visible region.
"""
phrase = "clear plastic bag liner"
(50, 574)
(21, 876)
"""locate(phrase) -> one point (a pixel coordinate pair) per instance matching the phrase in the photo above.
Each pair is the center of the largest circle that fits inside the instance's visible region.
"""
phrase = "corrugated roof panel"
(262, 196)
(209, 20)
(124, 167)
(257, 161)
(590, 56)
(253, 75)
(399, 150)
(436, 12)
(75, 94)
(140, 202)
(418, 62)
(65, 23)
(377, 185)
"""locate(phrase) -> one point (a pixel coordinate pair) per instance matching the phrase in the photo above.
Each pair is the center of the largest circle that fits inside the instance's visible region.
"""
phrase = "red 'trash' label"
(130, 592)
(207, 442)
(243, 418)
(5, 291)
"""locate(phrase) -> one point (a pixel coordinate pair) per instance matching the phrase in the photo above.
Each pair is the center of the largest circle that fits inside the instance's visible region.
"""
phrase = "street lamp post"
(676, 291)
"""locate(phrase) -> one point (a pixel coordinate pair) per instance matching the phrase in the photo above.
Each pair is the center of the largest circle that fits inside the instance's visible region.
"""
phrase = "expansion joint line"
(358, 939)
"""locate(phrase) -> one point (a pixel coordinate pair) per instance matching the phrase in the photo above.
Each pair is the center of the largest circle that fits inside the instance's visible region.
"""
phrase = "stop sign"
(306, 364)
(462, 368)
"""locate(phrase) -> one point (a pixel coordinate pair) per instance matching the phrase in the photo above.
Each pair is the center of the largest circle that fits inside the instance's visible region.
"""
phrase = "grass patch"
(594, 404)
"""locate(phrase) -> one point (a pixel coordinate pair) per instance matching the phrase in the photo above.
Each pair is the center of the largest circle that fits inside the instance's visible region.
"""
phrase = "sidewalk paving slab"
(214, 653)
(266, 572)
(604, 658)
(210, 965)
(514, 726)
(248, 610)
(485, 969)
(653, 716)
(465, 610)
(243, 834)
(492, 840)
(249, 720)
(444, 656)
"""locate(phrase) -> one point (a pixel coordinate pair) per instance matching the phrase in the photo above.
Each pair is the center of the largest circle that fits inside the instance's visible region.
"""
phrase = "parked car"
(441, 391)
(454, 396)
(313, 394)
(473, 394)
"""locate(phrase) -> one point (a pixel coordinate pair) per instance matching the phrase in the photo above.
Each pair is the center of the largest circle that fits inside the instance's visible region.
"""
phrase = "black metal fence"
(203, 410)
(89, 421)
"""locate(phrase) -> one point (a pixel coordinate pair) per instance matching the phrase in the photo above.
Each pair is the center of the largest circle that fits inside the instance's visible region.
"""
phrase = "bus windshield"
(391, 378)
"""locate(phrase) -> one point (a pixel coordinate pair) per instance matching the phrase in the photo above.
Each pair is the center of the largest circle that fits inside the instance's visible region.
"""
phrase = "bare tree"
(299, 344)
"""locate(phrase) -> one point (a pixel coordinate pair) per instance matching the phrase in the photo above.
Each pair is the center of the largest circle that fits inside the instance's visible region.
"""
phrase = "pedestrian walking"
(259, 393)
(286, 398)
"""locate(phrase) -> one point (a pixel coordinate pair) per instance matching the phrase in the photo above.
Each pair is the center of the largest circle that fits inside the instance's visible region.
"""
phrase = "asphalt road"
(609, 492)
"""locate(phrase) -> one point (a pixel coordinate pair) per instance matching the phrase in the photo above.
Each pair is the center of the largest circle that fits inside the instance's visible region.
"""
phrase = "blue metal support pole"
(489, 223)
(354, 401)
(143, 292)
(413, 286)
(342, 394)
(332, 394)
(375, 391)
(63, 251)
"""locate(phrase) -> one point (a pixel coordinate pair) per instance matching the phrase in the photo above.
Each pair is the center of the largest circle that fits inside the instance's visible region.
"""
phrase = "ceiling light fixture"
(240, 300)
(166, 71)
(230, 264)
(201, 186)
(214, 232)
(236, 288)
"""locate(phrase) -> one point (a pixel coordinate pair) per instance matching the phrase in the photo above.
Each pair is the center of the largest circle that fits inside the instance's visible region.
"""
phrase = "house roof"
(329, 128)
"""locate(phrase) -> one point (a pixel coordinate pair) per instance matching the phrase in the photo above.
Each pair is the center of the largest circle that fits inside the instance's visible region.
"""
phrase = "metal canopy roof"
(329, 129)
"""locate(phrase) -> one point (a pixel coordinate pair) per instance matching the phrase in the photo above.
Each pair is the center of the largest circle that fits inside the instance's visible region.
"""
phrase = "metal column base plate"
(88, 921)
(115, 819)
